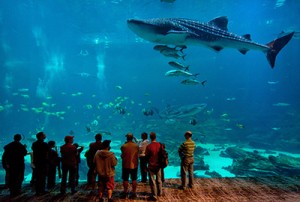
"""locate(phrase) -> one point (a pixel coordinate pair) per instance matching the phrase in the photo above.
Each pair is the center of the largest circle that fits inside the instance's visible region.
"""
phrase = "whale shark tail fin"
(275, 46)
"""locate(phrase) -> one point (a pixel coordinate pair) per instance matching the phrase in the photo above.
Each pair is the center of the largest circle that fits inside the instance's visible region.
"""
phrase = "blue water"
(46, 45)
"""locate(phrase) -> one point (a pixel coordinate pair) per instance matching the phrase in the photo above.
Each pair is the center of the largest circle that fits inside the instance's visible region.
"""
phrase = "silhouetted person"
(40, 160)
(32, 166)
(79, 150)
(13, 162)
(69, 164)
(93, 148)
(53, 164)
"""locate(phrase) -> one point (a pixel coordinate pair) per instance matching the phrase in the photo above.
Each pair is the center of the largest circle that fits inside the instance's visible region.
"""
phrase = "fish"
(273, 82)
(178, 72)
(85, 75)
(193, 82)
(213, 34)
(281, 104)
(239, 125)
(169, 49)
(172, 54)
(193, 122)
(88, 129)
(168, 1)
(178, 65)
(148, 112)
(177, 112)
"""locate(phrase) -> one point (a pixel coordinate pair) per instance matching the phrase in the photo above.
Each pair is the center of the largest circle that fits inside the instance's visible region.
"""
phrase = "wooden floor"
(266, 189)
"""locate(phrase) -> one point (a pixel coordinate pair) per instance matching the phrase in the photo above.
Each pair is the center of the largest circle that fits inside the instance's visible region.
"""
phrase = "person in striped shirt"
(186, 154)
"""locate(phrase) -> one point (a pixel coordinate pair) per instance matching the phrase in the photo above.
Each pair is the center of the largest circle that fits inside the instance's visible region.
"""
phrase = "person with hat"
(13, 163)
(69, 164)
(186, 154)
(129, 155)
(105, 162)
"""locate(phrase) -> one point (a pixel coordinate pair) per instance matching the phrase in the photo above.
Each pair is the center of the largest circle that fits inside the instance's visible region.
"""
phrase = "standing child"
(105, 162)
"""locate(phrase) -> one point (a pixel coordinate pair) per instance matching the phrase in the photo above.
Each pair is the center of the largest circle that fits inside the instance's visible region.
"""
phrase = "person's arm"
(114, 161)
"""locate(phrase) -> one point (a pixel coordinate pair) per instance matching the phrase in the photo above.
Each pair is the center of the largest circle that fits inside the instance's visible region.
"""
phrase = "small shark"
(213, 34)
(179, 112)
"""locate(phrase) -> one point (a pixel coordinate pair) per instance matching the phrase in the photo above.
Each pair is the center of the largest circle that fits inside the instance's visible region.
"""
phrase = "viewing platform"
(266, 189)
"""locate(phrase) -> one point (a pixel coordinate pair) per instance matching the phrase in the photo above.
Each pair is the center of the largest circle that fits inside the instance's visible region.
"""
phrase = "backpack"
(164, 159)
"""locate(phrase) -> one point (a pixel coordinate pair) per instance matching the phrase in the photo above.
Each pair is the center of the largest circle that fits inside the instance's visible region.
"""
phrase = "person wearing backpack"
(186, 154)
(164, 161)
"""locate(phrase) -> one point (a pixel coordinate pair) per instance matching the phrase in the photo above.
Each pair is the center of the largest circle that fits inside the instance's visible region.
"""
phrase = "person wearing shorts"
(129, 155)
(105, 162)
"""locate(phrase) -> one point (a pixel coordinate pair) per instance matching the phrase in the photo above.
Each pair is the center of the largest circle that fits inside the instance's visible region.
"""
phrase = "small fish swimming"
(193, 122)
(239, 125)
(169, 49)
(178, 72)
(179, 65)
(172, 54)
(85, 75)
(168, 1)
(281, 104)
(148, 112)
(193, 82)
(273, 82)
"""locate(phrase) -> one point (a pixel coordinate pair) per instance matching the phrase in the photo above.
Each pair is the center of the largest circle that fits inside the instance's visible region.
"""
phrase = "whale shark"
(213, 34)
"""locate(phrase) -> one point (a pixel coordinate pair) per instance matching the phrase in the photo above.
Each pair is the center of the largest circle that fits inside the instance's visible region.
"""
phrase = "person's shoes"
(62, 192)
(124, 195)
(110, 200)
(74, 191)
(133, 196)
(41, 193)
(191, 186)
(101, 199)
(182, 188)
(152, 198)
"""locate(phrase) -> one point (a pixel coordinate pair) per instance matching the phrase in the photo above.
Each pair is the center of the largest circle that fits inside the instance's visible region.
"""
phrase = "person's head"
(153, 136)
(17, 137)
(69, 139)
(129, 136)
(51, 143)
(144, 136)
(106, 144)
(40, 136)
(98, 137)
(188, 134)
(76, 145)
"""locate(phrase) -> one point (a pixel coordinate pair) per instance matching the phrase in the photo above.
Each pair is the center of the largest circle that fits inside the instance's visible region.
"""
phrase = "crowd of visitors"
(47, 163)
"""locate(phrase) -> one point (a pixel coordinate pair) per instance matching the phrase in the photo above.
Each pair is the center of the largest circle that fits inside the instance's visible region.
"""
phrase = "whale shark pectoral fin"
(217, 48)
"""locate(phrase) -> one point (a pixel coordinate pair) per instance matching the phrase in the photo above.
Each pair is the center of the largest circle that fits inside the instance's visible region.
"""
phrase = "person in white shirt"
(143, 161)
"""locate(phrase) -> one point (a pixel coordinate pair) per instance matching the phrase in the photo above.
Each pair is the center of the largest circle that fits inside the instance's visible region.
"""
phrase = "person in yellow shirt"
(186, 154)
